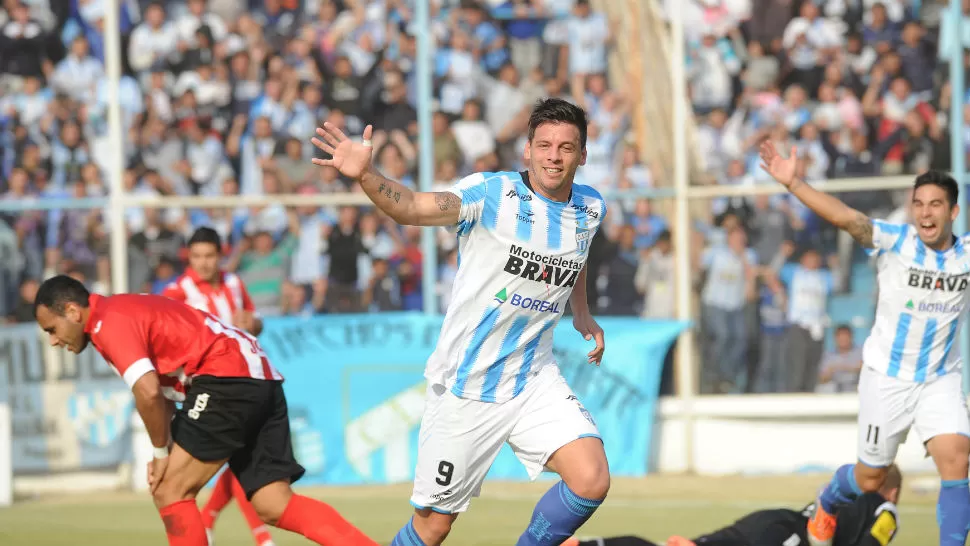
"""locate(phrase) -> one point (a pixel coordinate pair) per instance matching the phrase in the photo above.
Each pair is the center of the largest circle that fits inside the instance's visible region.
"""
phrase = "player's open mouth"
(552, 171)
(928, 228)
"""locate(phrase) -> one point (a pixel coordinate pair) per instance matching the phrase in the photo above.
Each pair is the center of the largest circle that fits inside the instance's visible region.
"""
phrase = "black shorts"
(243, 420)
(762, 528)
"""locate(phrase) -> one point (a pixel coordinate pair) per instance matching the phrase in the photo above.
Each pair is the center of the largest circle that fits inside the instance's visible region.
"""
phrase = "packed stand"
(221, 98)
(860, 89)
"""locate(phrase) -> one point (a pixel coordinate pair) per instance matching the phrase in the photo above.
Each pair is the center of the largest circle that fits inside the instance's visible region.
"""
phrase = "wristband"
(160, 452)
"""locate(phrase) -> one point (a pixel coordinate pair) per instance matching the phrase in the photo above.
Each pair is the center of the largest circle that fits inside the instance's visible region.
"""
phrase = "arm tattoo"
(397, 197)
(446, 200)
(860, 228)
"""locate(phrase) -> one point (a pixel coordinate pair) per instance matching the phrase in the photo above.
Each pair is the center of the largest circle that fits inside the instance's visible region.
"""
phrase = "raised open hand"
(351, 158)
(780, 168)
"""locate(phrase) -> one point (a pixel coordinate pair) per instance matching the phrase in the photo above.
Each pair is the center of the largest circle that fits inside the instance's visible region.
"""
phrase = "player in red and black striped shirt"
(223, 294)
(234, 409)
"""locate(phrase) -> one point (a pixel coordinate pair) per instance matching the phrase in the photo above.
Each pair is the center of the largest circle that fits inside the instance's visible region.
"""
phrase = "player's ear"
(72, 312)
(527, 153)
(954, 212)
(582, 159)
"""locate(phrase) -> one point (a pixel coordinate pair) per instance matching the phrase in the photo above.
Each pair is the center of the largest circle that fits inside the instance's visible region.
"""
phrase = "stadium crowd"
(221, 97)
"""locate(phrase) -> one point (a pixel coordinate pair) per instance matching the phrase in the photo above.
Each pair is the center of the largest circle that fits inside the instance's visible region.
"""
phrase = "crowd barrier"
(67, 412)
(355, 389)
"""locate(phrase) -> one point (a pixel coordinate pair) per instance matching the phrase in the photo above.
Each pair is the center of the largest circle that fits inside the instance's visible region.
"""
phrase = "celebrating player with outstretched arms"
(911, 376)
(523, 240)
(234, 410)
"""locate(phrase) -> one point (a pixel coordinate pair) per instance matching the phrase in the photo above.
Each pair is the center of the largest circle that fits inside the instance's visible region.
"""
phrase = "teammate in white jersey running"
(523, 241)
(911, 376)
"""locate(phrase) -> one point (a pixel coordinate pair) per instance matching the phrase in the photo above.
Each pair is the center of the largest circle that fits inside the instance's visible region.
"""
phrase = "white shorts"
(889, 407)
(460, 438)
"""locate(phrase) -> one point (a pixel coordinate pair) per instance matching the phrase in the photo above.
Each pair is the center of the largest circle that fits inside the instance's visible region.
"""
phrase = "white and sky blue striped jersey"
(922, 295)
(519, 256)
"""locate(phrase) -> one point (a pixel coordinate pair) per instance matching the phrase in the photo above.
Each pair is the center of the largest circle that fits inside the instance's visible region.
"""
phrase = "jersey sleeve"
(125, 346)
(887, 237)
(173, 291)
(471, 191)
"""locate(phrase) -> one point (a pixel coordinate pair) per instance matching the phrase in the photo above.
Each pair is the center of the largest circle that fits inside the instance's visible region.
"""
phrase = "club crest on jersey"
(582, 237)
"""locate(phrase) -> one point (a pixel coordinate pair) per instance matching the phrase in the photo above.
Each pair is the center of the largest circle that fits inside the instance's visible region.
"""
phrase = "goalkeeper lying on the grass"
(868, 521)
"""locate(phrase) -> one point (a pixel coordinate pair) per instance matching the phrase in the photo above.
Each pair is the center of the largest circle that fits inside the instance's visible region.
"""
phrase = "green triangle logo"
(909, 304)
(501, 296)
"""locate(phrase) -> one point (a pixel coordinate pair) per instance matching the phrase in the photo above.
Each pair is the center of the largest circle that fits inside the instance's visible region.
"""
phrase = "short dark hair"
(206, 235)
(56, 292)
(942, 180)
(843, 328)
(558, 111)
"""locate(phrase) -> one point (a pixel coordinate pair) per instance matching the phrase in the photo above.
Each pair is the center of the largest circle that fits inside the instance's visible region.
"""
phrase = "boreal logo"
(933, 281)
(536, 267)
(934, 307)
(532, 304)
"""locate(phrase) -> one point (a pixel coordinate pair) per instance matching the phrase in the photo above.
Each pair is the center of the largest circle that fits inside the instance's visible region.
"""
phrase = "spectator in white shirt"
(812, 42)
(78, 74)
(196, 17)
(203, 155)
(589, 34)
(153, 41)
(475, 137)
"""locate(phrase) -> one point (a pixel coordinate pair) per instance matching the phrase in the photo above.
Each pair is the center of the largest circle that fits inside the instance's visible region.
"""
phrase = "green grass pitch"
(654, 507)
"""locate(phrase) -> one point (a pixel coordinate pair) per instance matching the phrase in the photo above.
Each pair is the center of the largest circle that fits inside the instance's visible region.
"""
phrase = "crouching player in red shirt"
(234, 409)
(224, 295)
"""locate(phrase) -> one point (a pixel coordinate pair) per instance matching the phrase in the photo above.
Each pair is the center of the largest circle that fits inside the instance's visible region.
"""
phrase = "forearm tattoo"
(860, 228)
(387, 190)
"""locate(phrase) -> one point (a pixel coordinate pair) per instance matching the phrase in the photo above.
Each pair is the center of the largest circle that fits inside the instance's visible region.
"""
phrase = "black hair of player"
(206, 235)
(558, 111)
(942, 180)
(56, 292)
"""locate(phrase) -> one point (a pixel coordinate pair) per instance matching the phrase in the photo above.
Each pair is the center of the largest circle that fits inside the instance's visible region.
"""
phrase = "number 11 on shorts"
(872, 435)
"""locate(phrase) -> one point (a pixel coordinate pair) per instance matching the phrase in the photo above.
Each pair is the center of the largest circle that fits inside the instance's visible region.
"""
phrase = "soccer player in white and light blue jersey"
(911, 375)
(523, 240)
